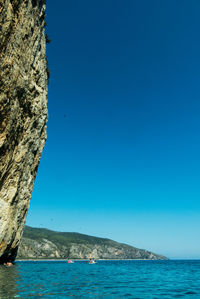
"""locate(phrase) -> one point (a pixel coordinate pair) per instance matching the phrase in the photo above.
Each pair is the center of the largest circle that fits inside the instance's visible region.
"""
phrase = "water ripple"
(106, 279)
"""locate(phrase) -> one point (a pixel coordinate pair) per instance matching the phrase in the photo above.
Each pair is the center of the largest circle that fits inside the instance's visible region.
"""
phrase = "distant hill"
(40, 243)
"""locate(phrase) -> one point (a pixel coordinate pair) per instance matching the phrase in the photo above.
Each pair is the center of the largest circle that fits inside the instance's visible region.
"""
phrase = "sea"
(105, 279)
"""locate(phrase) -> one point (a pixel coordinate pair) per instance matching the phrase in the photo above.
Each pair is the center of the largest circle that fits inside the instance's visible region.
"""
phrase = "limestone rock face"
(40, 243)
(23, 113)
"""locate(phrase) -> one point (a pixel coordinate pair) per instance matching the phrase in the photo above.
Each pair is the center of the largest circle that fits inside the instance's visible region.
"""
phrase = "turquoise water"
(106, 279)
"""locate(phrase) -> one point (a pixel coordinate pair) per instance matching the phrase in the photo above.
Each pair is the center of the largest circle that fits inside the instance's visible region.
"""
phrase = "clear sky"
(122, 158)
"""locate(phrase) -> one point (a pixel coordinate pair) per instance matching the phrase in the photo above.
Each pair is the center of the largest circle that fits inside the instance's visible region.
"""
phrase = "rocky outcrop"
(23, 113)
(45, 244)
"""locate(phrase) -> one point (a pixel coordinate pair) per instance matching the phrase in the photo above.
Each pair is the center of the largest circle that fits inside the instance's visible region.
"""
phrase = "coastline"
(81, 260)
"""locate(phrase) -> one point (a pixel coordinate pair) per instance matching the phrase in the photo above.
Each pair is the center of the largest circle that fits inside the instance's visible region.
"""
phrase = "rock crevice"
(23, 113)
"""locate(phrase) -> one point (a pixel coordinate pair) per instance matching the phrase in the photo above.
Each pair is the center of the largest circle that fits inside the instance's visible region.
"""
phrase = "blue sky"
(122, 155)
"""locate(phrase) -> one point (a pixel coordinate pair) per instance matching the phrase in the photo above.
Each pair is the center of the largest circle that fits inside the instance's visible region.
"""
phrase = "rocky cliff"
(46, 244)
(23, 113)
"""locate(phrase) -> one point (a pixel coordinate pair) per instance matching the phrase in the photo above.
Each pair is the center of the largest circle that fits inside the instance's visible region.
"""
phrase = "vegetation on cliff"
(46, 244)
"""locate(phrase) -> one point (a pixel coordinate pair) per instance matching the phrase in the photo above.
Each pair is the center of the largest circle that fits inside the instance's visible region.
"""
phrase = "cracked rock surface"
(23, 113)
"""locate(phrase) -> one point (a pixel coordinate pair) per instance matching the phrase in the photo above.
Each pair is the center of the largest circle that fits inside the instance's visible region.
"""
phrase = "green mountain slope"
(46, 244)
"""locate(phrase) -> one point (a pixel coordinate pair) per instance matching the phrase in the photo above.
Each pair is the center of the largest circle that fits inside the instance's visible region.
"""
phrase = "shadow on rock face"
(9, 255)
(8, 282)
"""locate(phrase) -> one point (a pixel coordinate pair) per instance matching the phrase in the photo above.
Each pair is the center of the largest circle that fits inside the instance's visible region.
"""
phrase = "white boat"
(92, 262)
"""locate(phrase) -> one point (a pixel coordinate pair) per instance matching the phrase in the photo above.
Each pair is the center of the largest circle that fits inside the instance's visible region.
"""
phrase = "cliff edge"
(23, 113)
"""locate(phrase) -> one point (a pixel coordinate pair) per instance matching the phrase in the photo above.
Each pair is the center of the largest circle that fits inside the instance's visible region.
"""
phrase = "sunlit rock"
(23, 113)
